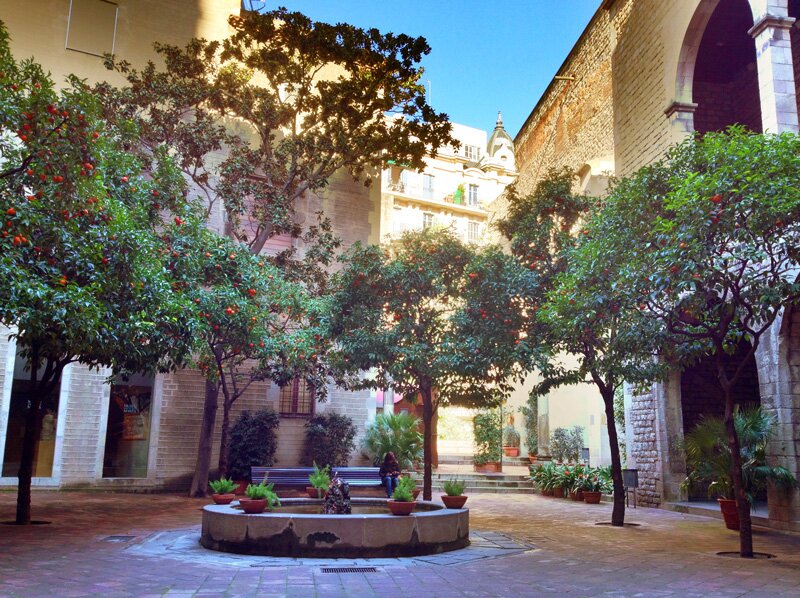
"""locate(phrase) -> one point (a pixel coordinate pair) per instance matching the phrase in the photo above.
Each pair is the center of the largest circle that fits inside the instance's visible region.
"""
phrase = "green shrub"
(566, 445)
(223, 486)
(405, 489)
(329, 440)
(253, 441)
(395, 432)
(531, 414)
(454, 487)
(488, 441)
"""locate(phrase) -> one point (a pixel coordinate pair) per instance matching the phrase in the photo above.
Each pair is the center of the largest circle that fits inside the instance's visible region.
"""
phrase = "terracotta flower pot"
(558, 492)
(314, 493)
(241, 487)
(729, 513)
(592, 498)
(490, 467)
(416, 492)
(454, 502)
(576, 495)
(223, 499)
(400, 508)
(253, 506)
(511, 451)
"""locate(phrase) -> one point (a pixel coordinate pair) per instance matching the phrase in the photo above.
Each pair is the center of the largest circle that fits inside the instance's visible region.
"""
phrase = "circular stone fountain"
(369, 532)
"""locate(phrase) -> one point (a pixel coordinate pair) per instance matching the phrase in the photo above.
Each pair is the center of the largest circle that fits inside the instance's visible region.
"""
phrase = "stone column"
(775, 73)
(681, 118)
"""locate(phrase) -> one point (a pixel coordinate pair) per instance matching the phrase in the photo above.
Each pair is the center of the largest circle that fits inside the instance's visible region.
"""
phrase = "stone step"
(466, 477)
(486, 490)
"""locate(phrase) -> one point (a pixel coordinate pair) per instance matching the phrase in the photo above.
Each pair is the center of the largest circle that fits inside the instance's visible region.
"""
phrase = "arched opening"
(701, 394)
(725, 81)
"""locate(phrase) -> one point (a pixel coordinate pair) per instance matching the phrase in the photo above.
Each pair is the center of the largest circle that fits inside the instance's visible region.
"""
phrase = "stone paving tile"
(524, 545)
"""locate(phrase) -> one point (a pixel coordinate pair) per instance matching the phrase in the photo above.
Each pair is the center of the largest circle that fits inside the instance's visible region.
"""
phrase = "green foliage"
(531, 414)
(266, 77)
(329, 439)
(454, 487)
(223, 486)
(545, 476)
(320, 478)
(566, 445)
(708, 456)
(394, 432)
(263, 491)
(487, 427)
(405, 489)
(511, 437)
(596, 479)
(253, 442)
(571, 477)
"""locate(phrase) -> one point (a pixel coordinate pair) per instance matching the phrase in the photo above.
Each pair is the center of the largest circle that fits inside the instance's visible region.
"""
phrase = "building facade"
(643, 76)
(144, 434)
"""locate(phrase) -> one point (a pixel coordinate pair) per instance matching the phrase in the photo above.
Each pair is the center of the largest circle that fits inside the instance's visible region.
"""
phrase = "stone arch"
(689, 50)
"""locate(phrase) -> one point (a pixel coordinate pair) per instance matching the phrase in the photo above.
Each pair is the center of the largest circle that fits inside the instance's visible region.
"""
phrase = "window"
(473, 232)
(297, 399)
(397, 221)
(128, 428)
(92, 27)
(427, 186)
(472, 197)
(427, 220)
(472, 152)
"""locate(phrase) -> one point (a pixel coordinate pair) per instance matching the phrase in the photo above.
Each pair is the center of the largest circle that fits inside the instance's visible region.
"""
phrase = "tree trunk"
(435, 440)
(618, 513)
(742, 504)
(203, 464)
(223, 437)
(427, 442)
(33, 423)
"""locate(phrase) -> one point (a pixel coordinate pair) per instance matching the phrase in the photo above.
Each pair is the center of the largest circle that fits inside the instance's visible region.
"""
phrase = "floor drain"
(756, 555)
(349, 570)
(118, 538)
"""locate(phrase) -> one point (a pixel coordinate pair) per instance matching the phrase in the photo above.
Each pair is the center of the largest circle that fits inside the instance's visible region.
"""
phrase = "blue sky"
(485, 56)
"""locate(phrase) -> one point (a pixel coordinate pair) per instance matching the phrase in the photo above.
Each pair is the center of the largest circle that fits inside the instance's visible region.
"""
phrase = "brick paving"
(526, 545)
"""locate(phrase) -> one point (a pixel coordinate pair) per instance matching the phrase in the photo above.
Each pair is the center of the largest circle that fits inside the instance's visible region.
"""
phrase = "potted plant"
(593, 485)
(454, 498)
(259, 497)
(223, 491)
(708, 460)
(571, 477)
(402, 501)
(544, 476)
(488, 442)
(319, 479)
(511, 440)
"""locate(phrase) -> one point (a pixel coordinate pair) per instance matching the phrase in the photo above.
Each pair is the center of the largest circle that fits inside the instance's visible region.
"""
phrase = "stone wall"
(640, 419)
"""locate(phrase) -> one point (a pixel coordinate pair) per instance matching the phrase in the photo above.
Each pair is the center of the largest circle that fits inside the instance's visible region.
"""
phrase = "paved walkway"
(525, 545)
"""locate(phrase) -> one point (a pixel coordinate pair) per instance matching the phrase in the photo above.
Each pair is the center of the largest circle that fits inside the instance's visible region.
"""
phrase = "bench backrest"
(298, 476)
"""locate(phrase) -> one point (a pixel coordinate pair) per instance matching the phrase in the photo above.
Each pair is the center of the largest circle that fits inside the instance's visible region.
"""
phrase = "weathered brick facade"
(643, 75)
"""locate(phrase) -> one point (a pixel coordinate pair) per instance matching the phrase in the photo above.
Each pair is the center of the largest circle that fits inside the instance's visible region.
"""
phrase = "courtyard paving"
(523, 545)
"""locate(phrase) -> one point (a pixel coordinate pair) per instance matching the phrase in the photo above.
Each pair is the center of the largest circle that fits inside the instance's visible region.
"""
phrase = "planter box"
(491, 467)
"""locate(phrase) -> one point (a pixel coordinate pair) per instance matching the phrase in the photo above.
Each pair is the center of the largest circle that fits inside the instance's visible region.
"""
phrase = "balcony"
(429, 197)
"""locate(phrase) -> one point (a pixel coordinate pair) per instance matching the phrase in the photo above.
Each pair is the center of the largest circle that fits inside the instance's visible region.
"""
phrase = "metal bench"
(359, 477)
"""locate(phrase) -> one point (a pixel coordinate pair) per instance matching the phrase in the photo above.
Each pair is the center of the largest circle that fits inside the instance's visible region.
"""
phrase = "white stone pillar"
(681, 118)
(775, 73)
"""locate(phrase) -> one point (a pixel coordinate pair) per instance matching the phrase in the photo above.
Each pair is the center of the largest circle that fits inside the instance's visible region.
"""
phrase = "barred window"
(297, 399)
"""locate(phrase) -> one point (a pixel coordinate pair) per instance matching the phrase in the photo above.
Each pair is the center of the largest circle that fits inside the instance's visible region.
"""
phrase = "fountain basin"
(430, 529)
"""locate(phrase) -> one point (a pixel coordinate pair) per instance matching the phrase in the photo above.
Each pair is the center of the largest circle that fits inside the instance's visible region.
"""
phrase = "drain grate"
(118, 538)
(349, 570)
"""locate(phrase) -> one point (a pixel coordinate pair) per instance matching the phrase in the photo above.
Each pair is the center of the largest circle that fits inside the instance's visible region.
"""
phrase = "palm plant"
(395, 432)
(708, 456)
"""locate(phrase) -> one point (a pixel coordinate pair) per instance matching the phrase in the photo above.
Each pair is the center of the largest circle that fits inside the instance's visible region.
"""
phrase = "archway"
(794, 12)
(725, 79)
(701, 394)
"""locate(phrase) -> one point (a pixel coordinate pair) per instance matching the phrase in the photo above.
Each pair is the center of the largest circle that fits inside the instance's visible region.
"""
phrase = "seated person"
(390, 471)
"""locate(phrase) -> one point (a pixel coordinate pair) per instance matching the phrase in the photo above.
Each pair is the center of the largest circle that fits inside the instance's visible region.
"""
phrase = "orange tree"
(716, 226)
(252, 326)
(81, 275)
(286, 102)
(429, 316)
(584, 326)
